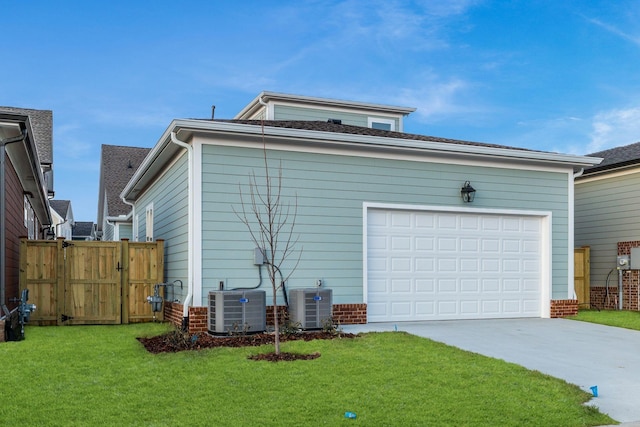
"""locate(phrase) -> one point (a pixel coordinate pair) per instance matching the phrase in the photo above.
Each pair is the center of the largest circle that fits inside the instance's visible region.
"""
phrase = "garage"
(438, 264)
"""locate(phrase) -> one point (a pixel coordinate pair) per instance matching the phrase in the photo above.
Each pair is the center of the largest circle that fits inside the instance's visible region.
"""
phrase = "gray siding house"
(380, 216)
(607, 221)
(117, 166)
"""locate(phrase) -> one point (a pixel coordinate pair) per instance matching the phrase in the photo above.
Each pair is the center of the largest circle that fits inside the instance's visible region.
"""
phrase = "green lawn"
(621, 319)
(101, 375)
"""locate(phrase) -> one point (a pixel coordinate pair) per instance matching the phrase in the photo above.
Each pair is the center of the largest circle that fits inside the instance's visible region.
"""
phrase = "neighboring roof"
(60, 206)
(266, 96)
(331, 135)
(42, 126)
(82, 228)
(616, 158)
(30, 152)
(117, 166)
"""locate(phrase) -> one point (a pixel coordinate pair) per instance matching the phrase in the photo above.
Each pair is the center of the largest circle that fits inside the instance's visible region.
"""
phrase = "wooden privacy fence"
(90, 282)
(582, 275)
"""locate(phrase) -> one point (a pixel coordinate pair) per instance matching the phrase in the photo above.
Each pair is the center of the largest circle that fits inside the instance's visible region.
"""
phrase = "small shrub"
(290, 328)
(331, 326)
(237, 330)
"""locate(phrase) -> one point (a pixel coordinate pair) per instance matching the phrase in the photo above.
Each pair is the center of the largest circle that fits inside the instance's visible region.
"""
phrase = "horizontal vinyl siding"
(606, 212)
(169, 195)
(286, 112)
(330, 193)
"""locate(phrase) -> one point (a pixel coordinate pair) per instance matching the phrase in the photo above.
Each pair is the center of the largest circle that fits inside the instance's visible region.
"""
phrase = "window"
(149, 223)
(382, 124)
(29, 219)
(136, 220)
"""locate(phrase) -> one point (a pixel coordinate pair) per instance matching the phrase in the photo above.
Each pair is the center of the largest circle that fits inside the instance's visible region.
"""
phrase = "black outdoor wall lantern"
(467, 192)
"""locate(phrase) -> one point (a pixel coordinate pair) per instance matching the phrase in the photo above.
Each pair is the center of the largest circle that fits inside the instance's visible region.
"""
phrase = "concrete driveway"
(581, 353)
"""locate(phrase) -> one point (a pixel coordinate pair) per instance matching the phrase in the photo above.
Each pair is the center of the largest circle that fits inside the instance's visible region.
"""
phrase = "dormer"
(281, 106)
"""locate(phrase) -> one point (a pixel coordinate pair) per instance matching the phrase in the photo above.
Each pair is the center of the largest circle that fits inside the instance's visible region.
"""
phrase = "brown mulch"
(176, 341)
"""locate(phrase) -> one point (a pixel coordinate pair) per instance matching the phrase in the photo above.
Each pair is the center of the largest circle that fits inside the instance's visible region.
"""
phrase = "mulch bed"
(176, 341)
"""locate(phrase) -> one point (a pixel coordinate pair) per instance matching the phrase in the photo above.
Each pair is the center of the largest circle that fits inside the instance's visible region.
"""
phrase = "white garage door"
(425, 265)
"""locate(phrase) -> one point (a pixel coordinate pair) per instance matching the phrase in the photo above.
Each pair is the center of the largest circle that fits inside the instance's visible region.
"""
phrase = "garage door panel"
(401, 286)
(469, 308)
(425, 286)
(425, 309)
(447, 286)
(447, 265)
(469, 286)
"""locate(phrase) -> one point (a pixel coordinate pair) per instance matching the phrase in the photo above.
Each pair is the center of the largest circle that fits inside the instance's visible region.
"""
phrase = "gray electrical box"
(258, 256)
(635, 259)
(623, 262)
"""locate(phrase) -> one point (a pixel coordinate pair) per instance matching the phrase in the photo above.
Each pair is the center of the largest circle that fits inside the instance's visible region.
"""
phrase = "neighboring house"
(117, 166)
(62, 216)
(380, 216)
(84, 230)
(26, 184)
(607, 220)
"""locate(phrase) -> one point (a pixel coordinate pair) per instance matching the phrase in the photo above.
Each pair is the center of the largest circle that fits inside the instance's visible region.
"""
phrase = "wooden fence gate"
(582, 274)
(90, 282)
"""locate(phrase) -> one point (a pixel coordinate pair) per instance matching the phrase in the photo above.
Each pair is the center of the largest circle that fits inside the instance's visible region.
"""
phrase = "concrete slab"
(581, 353)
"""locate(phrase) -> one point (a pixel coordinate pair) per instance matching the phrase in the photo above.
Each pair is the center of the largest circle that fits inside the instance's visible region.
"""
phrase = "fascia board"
(187, 127)
(397, 143)
(327, 102)
(24, 157)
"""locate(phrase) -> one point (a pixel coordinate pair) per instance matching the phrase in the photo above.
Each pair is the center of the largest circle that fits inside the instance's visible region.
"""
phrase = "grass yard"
(621, 319)
(102, 376)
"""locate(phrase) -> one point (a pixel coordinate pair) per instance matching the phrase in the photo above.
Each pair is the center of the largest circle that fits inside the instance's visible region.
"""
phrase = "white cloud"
(615, 30)
(614, 128)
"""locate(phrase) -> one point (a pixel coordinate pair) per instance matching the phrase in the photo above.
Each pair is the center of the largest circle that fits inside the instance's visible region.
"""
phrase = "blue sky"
(558, 76)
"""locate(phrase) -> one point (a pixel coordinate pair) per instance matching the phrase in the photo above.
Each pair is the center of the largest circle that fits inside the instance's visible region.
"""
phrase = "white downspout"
(190, 228)
(572, 293)
(134, 228)
(266, 109)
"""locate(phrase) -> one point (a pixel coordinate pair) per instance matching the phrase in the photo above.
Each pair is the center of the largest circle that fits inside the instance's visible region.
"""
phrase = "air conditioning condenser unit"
(311, 307)
(237, 311)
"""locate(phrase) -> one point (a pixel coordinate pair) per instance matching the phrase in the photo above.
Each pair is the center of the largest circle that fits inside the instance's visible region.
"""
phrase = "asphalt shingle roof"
(82, 228)
(118, 166)
(60, 206)
(325, 126)
(616, 157)
(42, 127)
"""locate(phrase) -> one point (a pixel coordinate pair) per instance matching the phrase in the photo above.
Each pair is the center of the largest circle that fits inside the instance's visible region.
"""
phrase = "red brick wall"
(198, 320)
(350, 314)
(630, 280)
(603, 300)
(173, 313)
(343, 314)
(564, 308)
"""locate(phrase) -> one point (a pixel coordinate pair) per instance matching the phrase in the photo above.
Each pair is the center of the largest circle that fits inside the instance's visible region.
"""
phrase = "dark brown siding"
(14, 224)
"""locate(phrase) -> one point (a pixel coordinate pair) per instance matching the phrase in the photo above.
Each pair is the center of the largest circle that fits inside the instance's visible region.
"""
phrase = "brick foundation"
(3, 335)
(343, 314)
(630, 286)
(564, 307)
(173, 313)
(604, 300)
(350, 314)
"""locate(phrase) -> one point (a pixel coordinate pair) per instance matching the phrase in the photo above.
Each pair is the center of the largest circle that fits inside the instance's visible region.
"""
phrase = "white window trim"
(372, 120)
(149, 223)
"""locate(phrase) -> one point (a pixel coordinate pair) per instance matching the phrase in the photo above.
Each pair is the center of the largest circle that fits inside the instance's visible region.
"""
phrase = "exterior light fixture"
(467, 192)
